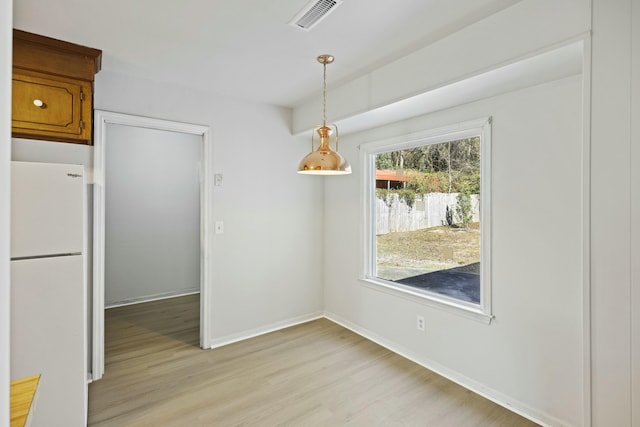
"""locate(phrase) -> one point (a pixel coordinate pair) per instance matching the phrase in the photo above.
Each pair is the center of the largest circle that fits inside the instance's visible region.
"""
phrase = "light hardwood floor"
(315, 374)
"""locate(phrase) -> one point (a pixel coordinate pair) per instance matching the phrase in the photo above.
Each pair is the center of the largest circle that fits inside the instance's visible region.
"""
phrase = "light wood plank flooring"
(315, 374)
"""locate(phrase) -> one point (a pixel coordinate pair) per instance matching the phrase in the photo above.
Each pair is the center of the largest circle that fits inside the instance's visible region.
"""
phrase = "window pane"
(427, 218)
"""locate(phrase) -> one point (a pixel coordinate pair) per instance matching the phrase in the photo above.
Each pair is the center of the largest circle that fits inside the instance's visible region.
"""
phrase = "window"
(427, 201)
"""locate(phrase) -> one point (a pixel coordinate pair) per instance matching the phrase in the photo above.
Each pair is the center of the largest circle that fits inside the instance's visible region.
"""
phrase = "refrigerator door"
(48, 336)
(47, 208)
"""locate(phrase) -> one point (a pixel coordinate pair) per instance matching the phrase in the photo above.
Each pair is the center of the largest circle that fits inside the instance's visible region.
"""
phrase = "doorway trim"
(101, 120)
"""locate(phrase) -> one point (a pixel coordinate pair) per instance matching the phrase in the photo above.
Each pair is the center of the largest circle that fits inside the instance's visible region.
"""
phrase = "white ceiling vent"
(314, 12)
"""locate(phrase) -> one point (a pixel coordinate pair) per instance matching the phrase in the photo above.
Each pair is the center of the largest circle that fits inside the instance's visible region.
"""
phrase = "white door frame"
(101, 120)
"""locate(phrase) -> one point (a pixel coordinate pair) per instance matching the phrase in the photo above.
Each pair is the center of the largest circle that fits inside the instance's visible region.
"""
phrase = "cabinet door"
(49, 107)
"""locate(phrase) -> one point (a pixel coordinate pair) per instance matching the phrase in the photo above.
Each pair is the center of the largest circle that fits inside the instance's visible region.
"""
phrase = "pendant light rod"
(324, 94)
(324, 60)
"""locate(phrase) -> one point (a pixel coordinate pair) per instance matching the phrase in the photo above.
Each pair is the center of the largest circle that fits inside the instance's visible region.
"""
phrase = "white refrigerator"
(48, 288)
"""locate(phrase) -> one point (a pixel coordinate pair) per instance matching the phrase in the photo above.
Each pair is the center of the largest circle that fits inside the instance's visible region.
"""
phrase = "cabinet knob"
(38, 103)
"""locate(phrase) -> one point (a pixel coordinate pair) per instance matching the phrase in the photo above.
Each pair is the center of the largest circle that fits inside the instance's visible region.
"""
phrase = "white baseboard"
(251, 333)
(154, 297)
(501, 399)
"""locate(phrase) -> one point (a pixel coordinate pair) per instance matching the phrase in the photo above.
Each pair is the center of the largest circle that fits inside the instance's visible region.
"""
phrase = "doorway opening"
(161, 184)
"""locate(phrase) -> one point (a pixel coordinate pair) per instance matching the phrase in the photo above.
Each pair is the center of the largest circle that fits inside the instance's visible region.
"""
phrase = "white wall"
(6, 37)
(152, 211)
(530, 356)
(615, 240)
(635, 212)
(31, 150)
(266, 266)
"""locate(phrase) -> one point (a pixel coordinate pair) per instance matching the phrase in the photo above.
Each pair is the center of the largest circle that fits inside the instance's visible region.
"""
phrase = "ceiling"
(246, 48)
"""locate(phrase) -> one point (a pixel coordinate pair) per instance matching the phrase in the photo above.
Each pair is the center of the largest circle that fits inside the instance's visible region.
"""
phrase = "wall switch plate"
(217, 180)
(420, 323)
(219, 227)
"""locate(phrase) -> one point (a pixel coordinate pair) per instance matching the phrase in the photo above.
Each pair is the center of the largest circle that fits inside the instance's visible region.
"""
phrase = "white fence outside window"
(428, 211)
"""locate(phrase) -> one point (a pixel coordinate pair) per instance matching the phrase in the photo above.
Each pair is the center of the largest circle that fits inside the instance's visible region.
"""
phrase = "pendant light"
(324, 161)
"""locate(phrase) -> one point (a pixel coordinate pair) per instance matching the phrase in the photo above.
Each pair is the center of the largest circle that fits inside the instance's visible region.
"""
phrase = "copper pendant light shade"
(324, 160)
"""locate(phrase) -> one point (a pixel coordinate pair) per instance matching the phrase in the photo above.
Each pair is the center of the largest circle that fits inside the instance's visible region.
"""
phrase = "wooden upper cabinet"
(52, 88)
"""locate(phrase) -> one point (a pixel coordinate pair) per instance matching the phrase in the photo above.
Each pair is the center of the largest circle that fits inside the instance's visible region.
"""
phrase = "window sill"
(431, 299)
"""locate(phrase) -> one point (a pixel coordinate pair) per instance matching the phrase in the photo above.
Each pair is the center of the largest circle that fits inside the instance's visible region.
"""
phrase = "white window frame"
(368, 151)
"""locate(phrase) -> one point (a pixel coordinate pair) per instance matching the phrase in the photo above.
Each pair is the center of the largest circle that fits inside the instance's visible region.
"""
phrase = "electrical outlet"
(420, 323)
